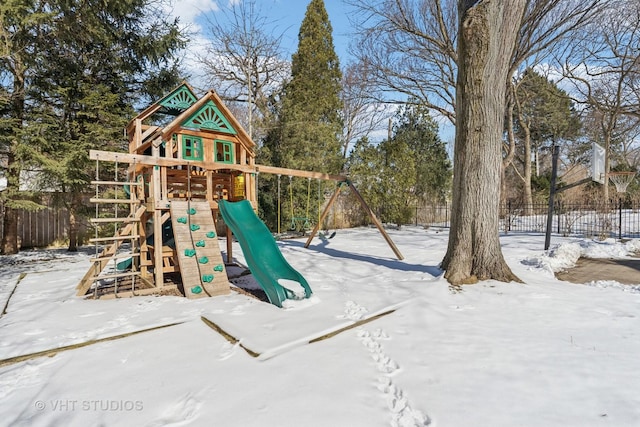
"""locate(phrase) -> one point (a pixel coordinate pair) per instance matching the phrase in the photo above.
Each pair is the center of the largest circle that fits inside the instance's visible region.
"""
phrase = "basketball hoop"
(621, 180)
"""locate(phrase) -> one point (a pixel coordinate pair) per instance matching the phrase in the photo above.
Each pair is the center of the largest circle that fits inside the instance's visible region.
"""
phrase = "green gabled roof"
(209, 117)
(178, 100)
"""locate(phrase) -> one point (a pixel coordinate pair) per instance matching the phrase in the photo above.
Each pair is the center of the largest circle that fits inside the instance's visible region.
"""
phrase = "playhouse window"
(191, 147)
(224, 151)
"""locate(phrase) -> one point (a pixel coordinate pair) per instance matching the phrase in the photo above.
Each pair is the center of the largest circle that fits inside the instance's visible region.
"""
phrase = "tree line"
(72, 73)
(530, 75)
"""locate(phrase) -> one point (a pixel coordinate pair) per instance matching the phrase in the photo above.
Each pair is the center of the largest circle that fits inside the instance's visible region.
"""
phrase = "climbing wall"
(201, 265)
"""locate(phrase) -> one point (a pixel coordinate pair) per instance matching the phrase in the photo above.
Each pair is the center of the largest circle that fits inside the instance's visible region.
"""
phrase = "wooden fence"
(41, 228)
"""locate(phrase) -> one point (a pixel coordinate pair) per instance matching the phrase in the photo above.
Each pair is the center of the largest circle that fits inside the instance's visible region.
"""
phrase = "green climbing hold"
(196, 290)
(189, 252)
(218, 267)
(200, 243)
(207, 278)
(203, 260)
(182, 220)
(195, 227)
(211, 234)
(191, 211)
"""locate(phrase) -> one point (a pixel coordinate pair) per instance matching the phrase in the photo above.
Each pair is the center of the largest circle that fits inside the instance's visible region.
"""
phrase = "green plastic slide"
(261, 252)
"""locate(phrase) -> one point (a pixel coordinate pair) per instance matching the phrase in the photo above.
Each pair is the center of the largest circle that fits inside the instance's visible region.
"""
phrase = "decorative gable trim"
(209, 117)
(178, 101)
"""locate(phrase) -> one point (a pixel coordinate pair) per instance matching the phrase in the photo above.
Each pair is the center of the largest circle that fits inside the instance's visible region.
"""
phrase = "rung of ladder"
(114, 183)
(114, 238)
(123, 219)
(117, 256)
(123, 201)
(116, 275)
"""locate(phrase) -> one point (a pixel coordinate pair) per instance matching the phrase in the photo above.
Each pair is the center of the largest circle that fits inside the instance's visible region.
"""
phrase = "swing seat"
(300, 223)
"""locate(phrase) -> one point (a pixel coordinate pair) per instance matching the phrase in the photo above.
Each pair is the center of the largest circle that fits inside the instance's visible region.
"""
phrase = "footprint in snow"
(180, 413)
(228, 350)
(400, 410)
(353, 311)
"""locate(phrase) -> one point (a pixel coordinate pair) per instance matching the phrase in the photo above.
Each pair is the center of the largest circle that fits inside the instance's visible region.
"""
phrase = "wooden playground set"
(157, 206)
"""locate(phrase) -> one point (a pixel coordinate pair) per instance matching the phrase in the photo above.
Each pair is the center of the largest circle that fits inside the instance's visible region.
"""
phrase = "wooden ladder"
(126, 233)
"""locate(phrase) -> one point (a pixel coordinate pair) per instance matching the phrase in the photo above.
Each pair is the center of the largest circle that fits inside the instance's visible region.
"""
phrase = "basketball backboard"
(597, 163)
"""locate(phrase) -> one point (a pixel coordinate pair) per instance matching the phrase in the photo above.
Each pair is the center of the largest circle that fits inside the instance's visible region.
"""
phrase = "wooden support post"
(157, 221)
(137, 138)
(169, 147)
(157, 248)
(229, 246)
(322, 216)
(143, 245)
(209, 186)
(376, 222)
(164, 190)
(253, 190)
(247, 185)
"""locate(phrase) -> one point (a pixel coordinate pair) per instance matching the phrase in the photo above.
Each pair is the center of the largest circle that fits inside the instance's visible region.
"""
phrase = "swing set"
(303, 224)
(199, 157)
(300, 223)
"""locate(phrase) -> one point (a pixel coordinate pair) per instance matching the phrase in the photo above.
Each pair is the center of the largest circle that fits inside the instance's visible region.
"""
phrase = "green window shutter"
(223, 151)
(209, 117)
(192, 148)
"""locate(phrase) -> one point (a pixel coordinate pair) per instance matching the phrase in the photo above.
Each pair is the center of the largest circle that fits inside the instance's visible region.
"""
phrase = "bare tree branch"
(243, 59)
(409, 46)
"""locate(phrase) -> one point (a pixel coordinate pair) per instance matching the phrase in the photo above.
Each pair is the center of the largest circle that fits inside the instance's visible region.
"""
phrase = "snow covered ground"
(542, 353)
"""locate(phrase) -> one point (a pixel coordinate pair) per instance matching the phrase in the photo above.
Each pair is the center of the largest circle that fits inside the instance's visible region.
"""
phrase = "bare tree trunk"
(526, 161)
(528, 194)
(510, 146)
(73, 229)
(607, 165)
(486, 41)
(9, 244)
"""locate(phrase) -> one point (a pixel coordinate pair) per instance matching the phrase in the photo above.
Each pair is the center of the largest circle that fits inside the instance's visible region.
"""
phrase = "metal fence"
(617, 219)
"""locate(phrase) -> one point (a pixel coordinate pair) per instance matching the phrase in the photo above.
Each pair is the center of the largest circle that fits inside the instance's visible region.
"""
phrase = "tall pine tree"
(21, 22)
(309, 126)
(310, 115)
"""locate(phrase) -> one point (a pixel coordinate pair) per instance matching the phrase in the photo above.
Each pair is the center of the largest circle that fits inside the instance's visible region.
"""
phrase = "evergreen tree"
(94, 61)
(129, 55)
(416, 128)
(543, 115)
(311, 105)
(411, 166)
(365, 166)
(546, 109)
(307, 134)
(21, 22)
(385, 175)
(397, 181)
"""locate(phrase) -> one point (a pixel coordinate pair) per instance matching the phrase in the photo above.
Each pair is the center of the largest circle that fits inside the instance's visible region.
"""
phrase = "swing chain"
(300, 223)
